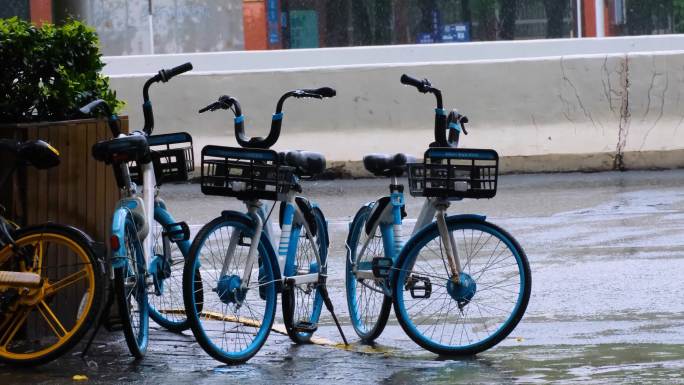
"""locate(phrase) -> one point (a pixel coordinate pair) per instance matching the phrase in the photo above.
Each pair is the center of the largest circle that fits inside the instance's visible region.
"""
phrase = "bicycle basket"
(245, 173)
(455, 173)
(175, 156)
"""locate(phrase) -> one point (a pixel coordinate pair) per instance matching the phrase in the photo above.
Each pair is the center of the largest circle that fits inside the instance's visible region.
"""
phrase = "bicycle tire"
(167, 307)
(89, 307)
(494, 281)
(135, 324)
(297, 302)
(222, 300)
(367, 326)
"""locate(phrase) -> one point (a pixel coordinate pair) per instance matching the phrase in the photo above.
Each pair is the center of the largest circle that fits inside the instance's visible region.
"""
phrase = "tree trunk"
(555, 10)
(508, 11)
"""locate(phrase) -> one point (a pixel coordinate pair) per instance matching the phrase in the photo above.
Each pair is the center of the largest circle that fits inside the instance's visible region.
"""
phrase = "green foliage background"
(47, 73)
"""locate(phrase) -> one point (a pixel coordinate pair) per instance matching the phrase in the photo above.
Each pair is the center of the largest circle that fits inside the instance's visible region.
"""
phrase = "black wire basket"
(173, 155)
(244, 173)
(455, 173)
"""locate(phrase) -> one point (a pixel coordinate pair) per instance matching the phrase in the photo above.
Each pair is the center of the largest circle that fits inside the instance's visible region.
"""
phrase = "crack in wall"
(579, 100)
(662, 110)
(608, 86)
(625, 117)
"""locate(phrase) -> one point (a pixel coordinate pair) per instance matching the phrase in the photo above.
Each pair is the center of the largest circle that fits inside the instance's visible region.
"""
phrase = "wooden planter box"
(80, 191)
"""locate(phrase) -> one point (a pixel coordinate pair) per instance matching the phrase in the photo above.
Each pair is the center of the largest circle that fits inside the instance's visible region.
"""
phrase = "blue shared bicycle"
(459, 284)
(148, 246)
(233, 261)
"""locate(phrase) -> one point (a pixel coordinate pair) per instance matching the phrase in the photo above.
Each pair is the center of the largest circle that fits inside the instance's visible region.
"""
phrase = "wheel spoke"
(51, 319)
(13, 326)
(453, 319)
(71, 279)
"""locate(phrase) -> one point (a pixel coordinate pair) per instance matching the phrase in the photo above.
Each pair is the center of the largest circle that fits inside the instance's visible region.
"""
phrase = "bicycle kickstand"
(331, 309)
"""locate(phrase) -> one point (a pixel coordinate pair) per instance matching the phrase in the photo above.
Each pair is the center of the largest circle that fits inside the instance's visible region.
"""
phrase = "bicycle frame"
(150, 207)
(391, 225)
(293, 221)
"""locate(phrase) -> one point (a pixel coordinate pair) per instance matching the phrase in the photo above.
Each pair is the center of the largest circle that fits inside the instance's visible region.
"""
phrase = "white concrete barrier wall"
(559, 110)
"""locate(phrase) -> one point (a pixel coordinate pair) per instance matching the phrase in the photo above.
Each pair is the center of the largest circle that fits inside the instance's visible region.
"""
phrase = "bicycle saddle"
(37, 153)
(306, 163)
(387, 165)
(123, 149)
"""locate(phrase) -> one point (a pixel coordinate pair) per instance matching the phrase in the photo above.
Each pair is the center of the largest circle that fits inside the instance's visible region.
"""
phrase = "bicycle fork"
(448, 243)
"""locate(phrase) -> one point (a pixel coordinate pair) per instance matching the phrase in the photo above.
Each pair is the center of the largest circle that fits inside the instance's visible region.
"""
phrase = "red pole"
(589, 18)
(40, 11)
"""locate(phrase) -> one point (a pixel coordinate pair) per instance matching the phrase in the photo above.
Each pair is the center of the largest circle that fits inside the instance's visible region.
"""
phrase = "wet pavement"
(607, 305)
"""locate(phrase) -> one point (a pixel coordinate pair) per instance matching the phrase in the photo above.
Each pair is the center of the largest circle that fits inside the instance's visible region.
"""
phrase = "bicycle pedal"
(420, 287)
(305, 327)
(382, 266)
(182, 234)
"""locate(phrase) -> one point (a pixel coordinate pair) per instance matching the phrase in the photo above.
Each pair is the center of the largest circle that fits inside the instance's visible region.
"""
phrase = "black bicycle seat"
(123, 149)
(306, 163)
(387, 165)
(36, 153)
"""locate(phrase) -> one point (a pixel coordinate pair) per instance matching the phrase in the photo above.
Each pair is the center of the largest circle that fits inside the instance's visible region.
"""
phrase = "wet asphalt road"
(607, 305)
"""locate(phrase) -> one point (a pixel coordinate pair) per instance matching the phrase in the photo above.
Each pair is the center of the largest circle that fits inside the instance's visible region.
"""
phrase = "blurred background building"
(129, 27)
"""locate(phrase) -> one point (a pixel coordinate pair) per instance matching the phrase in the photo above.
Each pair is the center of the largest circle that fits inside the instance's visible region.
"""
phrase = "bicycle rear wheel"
(479, 311)
(40, 324)
(234, 318)
(166, 304)
(130, 288)
(368, 305)
(302, 303)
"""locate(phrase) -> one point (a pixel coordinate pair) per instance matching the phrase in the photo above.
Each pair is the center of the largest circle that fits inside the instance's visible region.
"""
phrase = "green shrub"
(47, 73)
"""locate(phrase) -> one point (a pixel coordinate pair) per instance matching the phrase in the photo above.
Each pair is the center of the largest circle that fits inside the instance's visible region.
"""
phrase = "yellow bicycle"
(51, 283)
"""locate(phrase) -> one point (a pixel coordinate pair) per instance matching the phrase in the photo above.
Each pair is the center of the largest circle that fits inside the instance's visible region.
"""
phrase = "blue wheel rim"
(401, 277)
(264, 330)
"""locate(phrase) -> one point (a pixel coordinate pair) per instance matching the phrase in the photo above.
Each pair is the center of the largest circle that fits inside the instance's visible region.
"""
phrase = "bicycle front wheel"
(479, 311)
(39, 324)
(130, 287)
(238, 303)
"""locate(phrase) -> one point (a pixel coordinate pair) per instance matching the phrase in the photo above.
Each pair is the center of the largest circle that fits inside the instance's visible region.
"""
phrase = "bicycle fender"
(318, 214)
(97, 247)
(118, 229)
(419, 235)
(70, 229)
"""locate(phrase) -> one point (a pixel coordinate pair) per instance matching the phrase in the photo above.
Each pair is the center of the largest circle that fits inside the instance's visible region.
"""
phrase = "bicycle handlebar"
(323, 92)
(112, 119)
(164, 76)
(226, 102)
(421, 85)
(446, 128)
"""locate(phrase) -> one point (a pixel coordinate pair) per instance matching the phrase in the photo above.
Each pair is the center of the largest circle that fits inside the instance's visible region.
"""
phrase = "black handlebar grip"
(409, 81)
(88, 108)
(166, 75)
(207, 108)
(325, 92)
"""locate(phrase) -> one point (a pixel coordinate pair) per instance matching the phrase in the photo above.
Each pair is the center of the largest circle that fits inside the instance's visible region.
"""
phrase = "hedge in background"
(47, 73)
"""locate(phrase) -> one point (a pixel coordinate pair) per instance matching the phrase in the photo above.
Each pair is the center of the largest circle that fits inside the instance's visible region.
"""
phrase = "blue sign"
(272, 11)
(273, 17)
(425, 38)
(453, 33)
